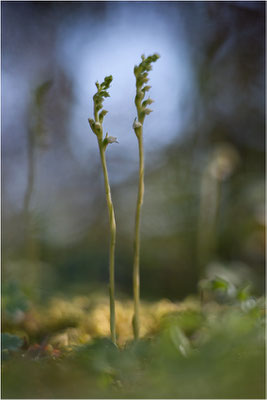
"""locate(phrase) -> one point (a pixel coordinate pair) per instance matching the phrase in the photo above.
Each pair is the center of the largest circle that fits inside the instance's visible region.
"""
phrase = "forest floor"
(212, 348)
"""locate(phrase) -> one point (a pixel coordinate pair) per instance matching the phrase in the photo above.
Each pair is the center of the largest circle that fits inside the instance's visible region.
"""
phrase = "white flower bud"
(97, 126)
(111, 139)
(147, 111)
(147, 102)
(136, 124)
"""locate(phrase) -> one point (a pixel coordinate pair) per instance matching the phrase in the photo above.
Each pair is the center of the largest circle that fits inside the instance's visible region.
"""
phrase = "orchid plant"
(141, 75)
(96, 125)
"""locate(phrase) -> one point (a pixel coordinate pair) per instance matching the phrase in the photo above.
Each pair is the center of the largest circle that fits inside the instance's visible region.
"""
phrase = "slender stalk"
(136, 279)
(30, 245)
(141, 75)
(30, 180)
(97, 128)
(112, 224)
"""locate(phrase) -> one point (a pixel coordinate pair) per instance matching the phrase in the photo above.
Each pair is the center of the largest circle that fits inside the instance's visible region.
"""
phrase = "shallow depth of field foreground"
(133, 241)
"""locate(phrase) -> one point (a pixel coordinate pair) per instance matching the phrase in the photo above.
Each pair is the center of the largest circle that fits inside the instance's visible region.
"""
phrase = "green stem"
(136, 279)
(112, 224)
(30, 244)
(30, 180)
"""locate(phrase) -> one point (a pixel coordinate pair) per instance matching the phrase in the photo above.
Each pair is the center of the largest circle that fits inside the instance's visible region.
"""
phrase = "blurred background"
(204, 145)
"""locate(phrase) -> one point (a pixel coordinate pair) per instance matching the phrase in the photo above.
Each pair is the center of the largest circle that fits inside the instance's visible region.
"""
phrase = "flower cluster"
(141, 74)
(96, 123)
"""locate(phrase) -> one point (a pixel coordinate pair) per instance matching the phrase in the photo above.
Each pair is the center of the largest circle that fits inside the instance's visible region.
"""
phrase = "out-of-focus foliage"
(14, 300)
(204, 199)
(9, 343)
(61, 350)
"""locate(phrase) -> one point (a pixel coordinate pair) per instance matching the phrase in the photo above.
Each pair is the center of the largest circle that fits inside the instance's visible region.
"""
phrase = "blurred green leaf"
(13, 299)
(41, 91)
(11, 342)
(180, 341)
(220, 283)
(243, 293)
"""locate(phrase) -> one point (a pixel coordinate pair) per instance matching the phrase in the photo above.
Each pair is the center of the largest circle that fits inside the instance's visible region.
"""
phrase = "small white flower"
(136, 124)
(111, 139)
(147, 111)
(97, 126)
